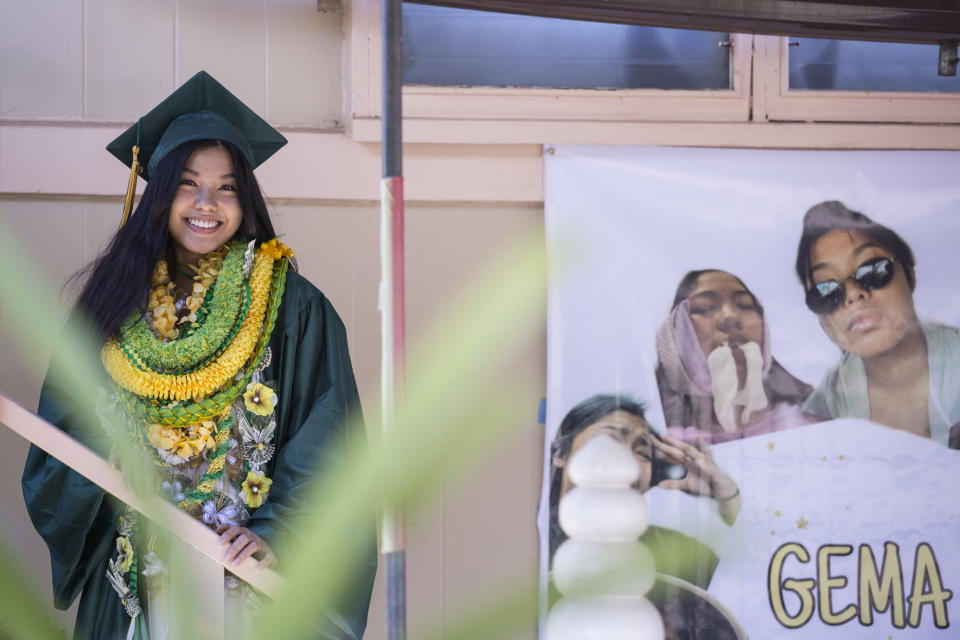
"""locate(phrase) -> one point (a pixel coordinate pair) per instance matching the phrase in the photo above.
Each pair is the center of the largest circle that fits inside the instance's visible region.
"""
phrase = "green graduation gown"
(317, 392)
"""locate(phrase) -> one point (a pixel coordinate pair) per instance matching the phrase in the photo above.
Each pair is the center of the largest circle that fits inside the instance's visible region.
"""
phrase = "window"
(523, 81)
(809, 80)
(459, 47)
(849, 65)
(466, 110)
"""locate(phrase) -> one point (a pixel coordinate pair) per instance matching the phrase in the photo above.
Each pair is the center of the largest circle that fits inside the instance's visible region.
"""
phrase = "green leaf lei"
(188, 412)
(228, 299)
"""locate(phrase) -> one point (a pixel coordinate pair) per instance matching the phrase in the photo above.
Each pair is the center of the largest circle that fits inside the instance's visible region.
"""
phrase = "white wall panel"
(225, 38)
(129, 53)
(41, 59)
(113, 60)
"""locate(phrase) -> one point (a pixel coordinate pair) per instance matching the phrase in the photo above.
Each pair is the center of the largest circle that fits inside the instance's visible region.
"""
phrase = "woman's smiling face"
(869, 322)
(206, 211)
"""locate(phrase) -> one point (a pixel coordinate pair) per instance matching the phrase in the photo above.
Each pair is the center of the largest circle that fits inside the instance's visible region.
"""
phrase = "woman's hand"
(243, 544)
(704, 477)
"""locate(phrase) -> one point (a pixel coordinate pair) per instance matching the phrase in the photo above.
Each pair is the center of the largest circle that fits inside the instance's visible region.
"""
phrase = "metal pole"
(392, 325)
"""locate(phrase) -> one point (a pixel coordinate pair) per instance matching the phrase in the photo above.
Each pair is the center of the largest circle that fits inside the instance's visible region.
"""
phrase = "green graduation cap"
(200, 109)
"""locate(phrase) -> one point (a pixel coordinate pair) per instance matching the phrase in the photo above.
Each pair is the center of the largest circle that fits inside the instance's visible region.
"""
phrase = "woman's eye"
(228, 187)
(701, 310)
(642, 450)
(188, 182)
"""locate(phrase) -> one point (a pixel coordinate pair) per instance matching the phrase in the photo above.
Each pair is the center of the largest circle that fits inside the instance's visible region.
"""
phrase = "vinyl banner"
(772, 335)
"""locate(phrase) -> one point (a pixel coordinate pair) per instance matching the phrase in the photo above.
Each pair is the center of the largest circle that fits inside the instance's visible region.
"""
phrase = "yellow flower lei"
(162, 307)
(205, 381)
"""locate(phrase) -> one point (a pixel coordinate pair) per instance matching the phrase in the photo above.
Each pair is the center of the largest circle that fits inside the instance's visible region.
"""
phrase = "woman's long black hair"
(119, 280)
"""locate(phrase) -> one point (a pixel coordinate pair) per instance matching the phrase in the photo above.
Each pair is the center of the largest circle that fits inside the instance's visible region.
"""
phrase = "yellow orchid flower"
(184, 449)
(162, 437)
(271, 249)
(255, 489)
(125, 554)
(203, 436)
(276, 249)
(154, 434)
(259, 399)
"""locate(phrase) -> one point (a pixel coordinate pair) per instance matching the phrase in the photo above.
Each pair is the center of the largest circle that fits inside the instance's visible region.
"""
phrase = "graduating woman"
(224, 367)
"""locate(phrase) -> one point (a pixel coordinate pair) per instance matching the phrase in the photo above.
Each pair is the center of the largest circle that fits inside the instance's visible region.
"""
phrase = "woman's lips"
(864, 320)
(209, 225)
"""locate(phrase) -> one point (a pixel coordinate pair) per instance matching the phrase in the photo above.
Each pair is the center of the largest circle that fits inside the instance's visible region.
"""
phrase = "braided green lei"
(185, 412)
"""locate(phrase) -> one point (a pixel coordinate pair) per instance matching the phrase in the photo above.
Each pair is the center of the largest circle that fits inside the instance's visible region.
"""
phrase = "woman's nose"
(853, 291)
(729, 318)
(204, 199)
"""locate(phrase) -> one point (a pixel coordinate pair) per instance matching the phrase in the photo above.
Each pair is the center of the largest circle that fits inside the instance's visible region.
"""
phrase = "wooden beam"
(91, 466)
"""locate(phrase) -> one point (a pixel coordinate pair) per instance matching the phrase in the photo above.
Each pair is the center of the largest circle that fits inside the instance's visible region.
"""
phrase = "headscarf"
(683, 375)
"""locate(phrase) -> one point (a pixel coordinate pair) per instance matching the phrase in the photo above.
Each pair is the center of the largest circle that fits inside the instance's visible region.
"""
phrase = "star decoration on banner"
(802, 523)
(770, 446)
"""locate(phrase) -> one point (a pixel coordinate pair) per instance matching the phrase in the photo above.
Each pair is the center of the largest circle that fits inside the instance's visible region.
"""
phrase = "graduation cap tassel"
(135, 169)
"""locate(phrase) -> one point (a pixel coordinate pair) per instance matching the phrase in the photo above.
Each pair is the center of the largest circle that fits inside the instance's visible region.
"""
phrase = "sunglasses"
(826, 297)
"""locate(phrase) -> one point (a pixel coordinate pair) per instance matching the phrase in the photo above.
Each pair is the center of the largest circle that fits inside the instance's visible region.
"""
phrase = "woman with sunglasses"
(859, 279)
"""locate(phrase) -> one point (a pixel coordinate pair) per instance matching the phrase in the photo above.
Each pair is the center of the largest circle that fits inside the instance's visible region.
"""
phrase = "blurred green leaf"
(24, 614)
(459, 404)
(456, 408)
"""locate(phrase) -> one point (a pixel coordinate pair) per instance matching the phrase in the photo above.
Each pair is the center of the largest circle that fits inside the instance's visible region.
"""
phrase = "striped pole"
(392, 325)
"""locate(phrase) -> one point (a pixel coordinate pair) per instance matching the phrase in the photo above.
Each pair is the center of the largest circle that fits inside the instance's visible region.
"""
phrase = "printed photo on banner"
(753, 403)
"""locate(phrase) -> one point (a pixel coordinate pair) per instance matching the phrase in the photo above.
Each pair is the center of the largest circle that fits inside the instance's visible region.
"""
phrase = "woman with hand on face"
(859, 279)
(622, 419)
(223, 369)
(715, 372)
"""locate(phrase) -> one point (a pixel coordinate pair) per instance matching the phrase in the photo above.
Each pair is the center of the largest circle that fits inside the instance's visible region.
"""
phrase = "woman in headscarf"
(715, 372)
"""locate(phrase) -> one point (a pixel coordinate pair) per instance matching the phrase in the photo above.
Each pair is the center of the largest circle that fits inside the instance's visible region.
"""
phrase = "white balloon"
(604, 618)
(603, 462)
(603, 514)
(581, 567)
